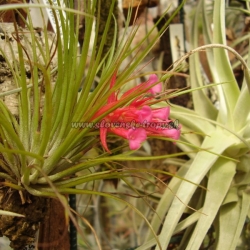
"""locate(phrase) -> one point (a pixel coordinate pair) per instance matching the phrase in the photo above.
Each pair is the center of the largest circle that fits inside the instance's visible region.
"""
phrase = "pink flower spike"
(136, 137)
(161, 113)
(144, 114)
(120, 131)
(156, 88)
(172, 133)
(141, 87)
(103, 135)
(113, 80)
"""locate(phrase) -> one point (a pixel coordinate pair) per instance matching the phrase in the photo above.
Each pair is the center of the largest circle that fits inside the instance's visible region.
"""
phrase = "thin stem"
(212, 46)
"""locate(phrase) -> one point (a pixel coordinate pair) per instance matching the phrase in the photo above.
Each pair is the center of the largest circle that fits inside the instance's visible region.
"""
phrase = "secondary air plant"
(42, 151)
(223, 209)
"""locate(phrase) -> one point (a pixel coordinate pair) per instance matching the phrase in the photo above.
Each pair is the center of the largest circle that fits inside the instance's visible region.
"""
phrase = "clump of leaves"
(42, 153)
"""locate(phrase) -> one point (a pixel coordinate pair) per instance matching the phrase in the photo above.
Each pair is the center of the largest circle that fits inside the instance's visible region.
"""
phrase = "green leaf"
(202, 163)
(231, 221)
(202, 104)
(241, 110)
(165, 202)
(219, 181)
(228, 93)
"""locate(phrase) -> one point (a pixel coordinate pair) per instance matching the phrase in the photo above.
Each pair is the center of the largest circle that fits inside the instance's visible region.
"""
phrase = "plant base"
(21, 231)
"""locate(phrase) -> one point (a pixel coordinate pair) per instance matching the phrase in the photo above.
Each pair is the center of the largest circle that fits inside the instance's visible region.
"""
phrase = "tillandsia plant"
(45, 144)
(223, 209)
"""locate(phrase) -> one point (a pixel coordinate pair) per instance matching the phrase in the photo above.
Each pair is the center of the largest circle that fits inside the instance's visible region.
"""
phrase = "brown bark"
(53, 233)
(138, 6)
(104, 13)
(21, 230)
(11, 15)
(146, 3)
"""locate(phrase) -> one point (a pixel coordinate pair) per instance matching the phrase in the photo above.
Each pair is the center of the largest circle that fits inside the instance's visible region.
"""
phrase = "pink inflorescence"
(137, 120)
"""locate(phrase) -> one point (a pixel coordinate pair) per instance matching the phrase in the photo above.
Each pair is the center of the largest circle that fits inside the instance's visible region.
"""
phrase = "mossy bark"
(104, 10)
(21, 231)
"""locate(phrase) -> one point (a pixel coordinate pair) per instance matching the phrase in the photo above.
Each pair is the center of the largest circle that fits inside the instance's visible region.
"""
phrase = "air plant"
(223, 208)
(43, 153)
